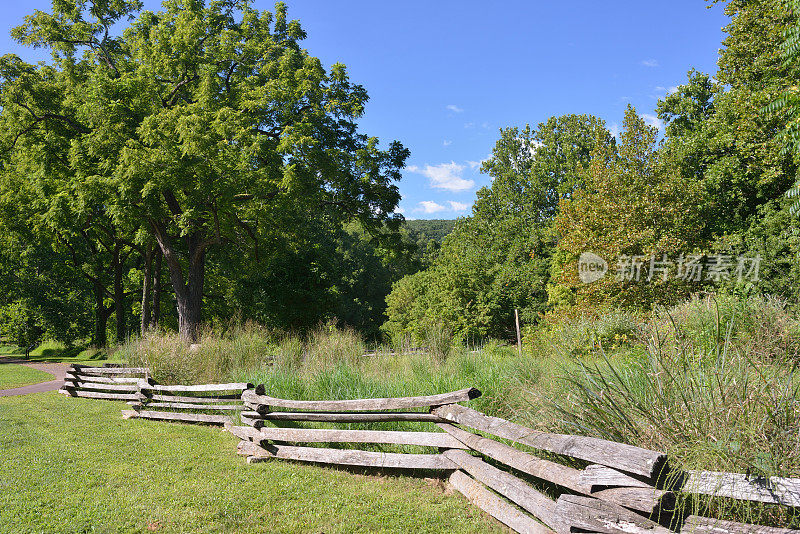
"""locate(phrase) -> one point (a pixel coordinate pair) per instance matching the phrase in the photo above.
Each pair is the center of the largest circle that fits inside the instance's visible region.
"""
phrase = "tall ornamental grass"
(716, 387)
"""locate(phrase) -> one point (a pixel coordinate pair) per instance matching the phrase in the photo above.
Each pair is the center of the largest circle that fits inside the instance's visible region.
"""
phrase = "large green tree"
(633, 204)
(207, 124)
(727, 134)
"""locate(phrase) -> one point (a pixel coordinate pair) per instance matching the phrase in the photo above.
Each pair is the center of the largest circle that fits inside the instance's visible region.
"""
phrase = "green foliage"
(499, 258)
(423, 231)
(427, 235)
(325, 272)
(723, 133)
(202, 127)
(20, 325)
(789, 99)
(619, 212)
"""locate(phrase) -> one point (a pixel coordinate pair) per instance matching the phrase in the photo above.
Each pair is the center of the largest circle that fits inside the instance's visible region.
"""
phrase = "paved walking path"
(58, 370)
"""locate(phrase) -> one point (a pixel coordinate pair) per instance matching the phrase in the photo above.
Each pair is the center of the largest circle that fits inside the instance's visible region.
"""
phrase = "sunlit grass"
(14, 376)
(73, 465)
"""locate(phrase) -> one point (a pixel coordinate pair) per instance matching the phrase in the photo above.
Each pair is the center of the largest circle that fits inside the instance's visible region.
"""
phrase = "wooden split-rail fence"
(204, 403)
(109, 382)
(618, 488)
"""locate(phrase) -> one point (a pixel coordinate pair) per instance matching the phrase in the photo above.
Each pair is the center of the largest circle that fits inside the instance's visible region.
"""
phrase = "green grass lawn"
(54, 352)
(73, 465)
(14, 376)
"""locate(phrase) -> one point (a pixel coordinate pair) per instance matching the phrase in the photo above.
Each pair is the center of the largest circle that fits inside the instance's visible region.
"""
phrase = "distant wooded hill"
(424, 230)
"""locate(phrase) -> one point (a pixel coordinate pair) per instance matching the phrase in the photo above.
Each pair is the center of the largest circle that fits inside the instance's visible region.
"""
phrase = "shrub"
(584, 335)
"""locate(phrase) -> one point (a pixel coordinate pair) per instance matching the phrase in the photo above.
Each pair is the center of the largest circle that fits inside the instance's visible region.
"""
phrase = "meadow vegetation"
(711, 381)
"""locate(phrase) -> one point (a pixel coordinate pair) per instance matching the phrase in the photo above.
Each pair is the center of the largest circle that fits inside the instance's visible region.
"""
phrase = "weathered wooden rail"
(203, 403)
(621, 490)
(521, 476)
(110, 382)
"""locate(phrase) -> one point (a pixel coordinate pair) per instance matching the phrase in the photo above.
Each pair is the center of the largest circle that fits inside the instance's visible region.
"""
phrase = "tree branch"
(173, 95)
(172, 202)
(80, 128)
(216, 240)
(275, 132)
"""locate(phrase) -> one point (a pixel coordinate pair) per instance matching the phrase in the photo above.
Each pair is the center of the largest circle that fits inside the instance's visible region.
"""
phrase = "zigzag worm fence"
(619, 491)
(110, 382)
(622, 488)
(202, 403)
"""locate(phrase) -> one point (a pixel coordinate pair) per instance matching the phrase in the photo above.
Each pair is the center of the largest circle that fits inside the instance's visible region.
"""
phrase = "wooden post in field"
(519, 338)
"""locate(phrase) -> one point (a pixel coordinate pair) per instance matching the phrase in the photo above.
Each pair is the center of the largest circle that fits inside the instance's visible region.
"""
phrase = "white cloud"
(458, 206)
(454, 108)
(652, 120)
(469, 125)
(429, 206)
(445, 176)
(447, 142)
(650, 62)
(614, 129)
(671, 89)
(476, 164)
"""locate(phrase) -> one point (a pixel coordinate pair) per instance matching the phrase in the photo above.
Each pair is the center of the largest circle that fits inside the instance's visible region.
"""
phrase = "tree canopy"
(201, 127)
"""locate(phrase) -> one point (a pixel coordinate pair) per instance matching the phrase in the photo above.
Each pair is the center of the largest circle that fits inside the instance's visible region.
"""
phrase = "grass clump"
(708, 389)
(172, 361)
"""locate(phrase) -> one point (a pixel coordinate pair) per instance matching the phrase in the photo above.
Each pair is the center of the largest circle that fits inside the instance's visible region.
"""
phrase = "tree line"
(201, 166)
(712, 185)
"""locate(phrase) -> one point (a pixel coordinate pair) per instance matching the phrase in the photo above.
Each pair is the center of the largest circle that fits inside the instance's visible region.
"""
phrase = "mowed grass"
(13, 375)
(52, 351)
(73, 465)
(55, 352)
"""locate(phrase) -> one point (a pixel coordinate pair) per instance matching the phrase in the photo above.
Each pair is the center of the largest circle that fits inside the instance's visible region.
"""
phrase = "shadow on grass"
(50, 352)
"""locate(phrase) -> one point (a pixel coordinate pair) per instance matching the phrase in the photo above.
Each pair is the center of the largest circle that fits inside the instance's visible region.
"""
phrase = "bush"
(760, 326)
(584, 335)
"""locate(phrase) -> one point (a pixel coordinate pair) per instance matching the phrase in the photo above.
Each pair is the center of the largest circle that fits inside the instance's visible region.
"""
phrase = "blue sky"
(444, 76)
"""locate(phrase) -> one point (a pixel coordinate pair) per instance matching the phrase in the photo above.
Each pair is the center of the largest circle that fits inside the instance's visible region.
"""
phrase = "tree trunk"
(190, 306)
(189, 289)
(147, 285)
(155, 315)
(119, 297)
(101, 315)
